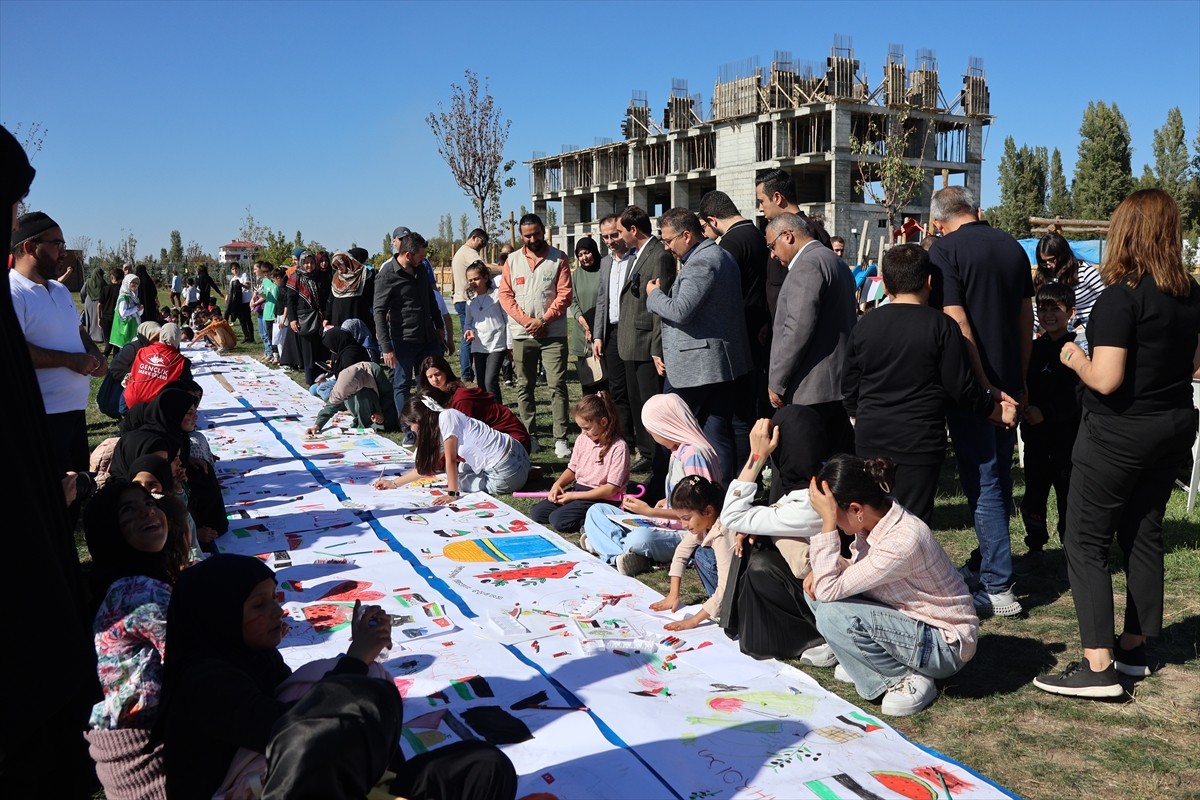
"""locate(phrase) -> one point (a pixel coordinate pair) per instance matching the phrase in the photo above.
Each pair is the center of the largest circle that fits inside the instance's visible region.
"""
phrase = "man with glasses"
(704, 346)
(639, 337)
(63, 354)
(813, 319)
(775, 194)
(614, 269)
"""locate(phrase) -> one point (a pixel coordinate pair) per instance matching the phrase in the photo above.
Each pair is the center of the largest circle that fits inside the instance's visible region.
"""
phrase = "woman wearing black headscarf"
(130, 539)
(147, 293)
(344, 350)
(768, 612)
(222, 678)
(307, 303)
(93, 287)
(47, 740)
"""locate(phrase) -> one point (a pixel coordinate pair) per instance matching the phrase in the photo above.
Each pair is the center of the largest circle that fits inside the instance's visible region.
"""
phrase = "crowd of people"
(789, 453)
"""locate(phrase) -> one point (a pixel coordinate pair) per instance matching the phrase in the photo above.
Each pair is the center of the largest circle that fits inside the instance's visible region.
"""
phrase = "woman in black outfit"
(1138, 426)
(307, 304)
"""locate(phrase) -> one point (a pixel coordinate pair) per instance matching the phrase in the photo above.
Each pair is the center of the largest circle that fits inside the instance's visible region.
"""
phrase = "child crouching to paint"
(598, 469)
(478, 458)
(710, 545)
(896, 613)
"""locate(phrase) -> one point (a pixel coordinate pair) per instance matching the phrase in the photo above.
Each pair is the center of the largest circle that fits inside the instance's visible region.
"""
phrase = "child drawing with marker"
(710, 546)
(598, 469)
(671, 423)
(478, 458)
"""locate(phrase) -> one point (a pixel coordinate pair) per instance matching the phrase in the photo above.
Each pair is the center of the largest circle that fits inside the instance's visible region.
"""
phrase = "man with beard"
(63, 354)
(535, 292)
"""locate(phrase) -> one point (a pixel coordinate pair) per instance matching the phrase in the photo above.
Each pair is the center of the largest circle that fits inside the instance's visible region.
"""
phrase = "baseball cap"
(400, 232)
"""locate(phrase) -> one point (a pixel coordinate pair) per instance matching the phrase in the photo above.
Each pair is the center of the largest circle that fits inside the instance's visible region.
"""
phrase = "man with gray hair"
(982, 281)
(813, 318)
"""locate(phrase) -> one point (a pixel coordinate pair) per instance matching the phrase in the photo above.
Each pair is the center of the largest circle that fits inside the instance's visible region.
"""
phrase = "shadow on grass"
(1178, 643)
(1003, 665)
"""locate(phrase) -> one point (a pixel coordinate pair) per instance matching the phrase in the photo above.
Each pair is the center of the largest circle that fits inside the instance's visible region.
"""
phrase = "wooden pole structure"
(862, 244)
(512, 229)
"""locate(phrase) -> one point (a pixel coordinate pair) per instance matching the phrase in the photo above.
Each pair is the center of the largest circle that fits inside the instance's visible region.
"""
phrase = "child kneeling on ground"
(896, 613)
(598, 469)
(710, 546)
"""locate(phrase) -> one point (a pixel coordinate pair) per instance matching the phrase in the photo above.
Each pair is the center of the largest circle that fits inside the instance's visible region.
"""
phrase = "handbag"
(108, 397)
(591, 369)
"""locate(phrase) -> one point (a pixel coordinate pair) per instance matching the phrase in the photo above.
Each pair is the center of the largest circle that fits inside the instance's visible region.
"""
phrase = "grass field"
(989, 716)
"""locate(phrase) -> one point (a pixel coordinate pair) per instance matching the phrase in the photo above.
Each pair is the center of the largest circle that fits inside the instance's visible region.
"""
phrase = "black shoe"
(1130, 662)
(1028, 564)
(1078, 680)
(641, 465)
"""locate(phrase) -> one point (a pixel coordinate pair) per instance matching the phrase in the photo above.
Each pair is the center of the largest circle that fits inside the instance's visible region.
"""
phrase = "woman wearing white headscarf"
(129, 313)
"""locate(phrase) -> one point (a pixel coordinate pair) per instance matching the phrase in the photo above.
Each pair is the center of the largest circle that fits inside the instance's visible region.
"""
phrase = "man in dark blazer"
(639, 335)
(705, 347)
(614, 269)
(813, 318)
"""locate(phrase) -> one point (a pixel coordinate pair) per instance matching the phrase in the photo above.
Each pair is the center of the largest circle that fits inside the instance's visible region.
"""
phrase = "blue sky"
(165, 115)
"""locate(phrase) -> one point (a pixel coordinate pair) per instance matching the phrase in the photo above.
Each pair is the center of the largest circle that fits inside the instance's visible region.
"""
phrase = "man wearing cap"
(470, 252)
(63, 354)
(407, 323)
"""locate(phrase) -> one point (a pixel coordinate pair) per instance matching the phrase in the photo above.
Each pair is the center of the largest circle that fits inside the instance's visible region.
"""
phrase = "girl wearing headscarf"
(352, 290)
(109, 292)
(129, 538)
(671, 423)
(155, 366)
(361, 386)
(307, 313)
(223, 683)
(147, 292)
(156, 476)
(767, 612)
(128, 313)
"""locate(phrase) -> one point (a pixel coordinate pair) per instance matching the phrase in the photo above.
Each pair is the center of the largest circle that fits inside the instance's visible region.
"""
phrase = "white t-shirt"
(176, 284)
(48, 317)
(193, 295)
(486, 317)
(480, 446)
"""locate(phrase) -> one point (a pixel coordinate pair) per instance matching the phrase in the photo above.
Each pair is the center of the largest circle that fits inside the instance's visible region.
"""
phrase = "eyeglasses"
(771, 245)
(55, 242)
(667, 242)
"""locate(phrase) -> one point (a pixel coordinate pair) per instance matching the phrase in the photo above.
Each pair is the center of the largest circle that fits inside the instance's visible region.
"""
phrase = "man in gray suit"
(614, 270)
(813, 318)
(639, 335)
(705, 346)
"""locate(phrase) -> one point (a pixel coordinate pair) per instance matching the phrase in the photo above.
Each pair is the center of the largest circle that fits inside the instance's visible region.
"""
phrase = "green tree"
(1022, 188)
(1172, 167)
(886, 175)
(175, 254)
(1103, 172)
(464, 226)
(1058, 203)
(471, 136)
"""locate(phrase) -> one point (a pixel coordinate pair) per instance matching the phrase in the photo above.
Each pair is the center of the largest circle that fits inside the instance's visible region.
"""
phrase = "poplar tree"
(1058, 204)
(1022, 188)
(1103, 172)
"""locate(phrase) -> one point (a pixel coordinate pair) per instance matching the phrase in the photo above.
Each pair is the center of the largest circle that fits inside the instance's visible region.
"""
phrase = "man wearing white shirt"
(63, 355)
(238, 304)
(614, 269)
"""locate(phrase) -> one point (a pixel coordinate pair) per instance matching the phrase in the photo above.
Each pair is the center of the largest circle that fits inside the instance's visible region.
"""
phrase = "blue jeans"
(465, 369)
(706, 566)
(877, 645)
(985, 471)
(610, 539)
(322, 389)
(713, 405)
(408, 358)
(265, 336)
(504, 478)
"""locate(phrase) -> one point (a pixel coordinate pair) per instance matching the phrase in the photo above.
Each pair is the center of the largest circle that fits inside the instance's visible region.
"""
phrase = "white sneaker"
(633, 564)
(913, 693)
(585, 545)
(840, 674)
(562, 448)
(820, 656)
(1004, 604)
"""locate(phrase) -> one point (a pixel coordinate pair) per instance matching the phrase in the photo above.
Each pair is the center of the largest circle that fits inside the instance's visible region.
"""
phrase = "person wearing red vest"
(156, 365)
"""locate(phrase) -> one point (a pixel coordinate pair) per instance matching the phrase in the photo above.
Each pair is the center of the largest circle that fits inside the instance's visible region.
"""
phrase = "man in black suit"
(614, 270)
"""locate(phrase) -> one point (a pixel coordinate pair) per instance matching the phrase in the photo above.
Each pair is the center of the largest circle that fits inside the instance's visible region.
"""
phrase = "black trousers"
(767, 613)
(565, 518)
(642, 382)
(614, 372)
(1047, 464)
(915, 485)
(487, 371)
(1124, 470)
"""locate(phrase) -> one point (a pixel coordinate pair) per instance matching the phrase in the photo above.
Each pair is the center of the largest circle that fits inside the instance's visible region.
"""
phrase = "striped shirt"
(1087, 291)
(901, 565)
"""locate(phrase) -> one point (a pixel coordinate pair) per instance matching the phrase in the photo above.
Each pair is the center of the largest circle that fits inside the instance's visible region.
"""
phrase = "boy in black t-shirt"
(905, 364)
(1050, 423)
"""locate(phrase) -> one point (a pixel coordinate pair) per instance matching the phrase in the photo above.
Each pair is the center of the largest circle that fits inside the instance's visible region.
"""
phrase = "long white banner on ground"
(508, 633)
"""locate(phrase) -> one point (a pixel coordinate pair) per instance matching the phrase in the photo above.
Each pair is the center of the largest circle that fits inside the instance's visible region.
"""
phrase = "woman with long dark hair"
(436, 378)
(1139, 423)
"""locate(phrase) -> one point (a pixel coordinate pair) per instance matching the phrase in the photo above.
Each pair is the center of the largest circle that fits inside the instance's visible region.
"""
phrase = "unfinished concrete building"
(793, 116)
